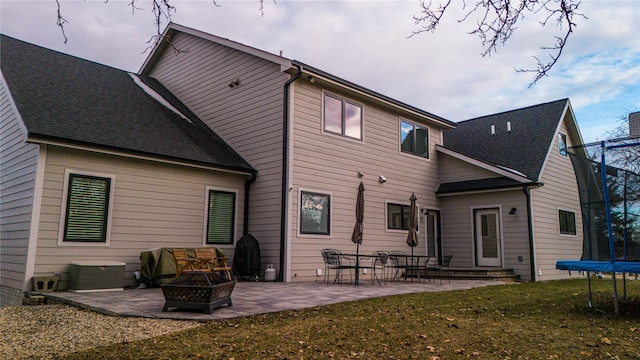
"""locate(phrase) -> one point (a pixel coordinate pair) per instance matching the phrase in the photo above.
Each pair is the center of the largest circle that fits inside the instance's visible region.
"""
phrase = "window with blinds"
(221, 217)
(87, 208)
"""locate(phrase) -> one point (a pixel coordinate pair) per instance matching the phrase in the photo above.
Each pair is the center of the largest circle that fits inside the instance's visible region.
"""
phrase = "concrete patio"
(251, 298)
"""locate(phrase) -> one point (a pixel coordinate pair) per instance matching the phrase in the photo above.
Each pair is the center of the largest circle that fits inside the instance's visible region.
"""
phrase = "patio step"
(498, 274)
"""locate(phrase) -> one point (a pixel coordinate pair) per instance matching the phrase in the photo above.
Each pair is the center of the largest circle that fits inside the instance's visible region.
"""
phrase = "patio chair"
(380, 259)
(182, 261)
(333, 259)
(398, 262)
(441, 268)
(208, 261)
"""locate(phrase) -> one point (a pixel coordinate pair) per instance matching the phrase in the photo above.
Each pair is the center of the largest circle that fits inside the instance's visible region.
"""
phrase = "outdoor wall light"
(311, 79)
(360, 174)
(512, 211)
(382, 179)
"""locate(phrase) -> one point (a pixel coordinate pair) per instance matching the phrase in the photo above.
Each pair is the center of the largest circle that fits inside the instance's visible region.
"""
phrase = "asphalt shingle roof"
(479, 184)
(65, 98)
(523, 149)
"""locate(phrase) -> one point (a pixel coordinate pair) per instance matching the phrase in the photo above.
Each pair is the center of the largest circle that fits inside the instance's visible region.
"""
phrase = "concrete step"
(498, 274)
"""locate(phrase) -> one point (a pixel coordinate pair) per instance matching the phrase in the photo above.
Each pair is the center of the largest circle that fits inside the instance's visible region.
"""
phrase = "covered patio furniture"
(158, 267)
(246, 258)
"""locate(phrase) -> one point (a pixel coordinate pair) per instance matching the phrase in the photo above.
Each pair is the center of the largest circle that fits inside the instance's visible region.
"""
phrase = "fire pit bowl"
(198, 290)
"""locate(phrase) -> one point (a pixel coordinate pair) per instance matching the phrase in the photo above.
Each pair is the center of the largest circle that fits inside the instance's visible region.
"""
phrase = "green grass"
(545, 320)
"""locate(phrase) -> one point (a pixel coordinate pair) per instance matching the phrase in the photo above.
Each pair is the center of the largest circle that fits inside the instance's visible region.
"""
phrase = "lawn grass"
(543, 320)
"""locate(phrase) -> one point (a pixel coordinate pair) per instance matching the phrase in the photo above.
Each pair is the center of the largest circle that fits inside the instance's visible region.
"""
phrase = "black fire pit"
(198, 290)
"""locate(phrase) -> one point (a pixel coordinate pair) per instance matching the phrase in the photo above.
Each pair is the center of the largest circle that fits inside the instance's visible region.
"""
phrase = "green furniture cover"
(157, 266)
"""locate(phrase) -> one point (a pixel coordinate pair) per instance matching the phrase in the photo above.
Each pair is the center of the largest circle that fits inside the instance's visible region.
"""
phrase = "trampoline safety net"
(623, 192)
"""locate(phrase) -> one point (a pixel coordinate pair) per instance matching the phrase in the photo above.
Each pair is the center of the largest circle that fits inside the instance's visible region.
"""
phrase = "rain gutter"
(285, 169)
(526, 189)
(247, 187)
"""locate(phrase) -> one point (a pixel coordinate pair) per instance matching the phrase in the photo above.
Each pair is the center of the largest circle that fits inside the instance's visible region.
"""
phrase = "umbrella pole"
(357, 264)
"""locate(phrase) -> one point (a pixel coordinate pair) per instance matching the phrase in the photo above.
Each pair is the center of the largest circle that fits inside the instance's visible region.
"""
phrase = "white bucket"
(269, 273)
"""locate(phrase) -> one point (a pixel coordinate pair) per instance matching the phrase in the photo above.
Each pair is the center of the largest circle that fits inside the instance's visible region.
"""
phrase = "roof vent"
(509, 127)
(634, 124)
(493, 130)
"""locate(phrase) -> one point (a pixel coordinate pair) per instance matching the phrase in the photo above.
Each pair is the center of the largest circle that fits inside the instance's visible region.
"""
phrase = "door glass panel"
(489, 236)
(431, 235)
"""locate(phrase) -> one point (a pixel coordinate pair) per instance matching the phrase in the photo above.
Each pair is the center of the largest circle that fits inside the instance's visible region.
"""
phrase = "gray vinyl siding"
(248, 117)
(452, 170)
(329, 163)
(18, 165)
(155, 205)
(458, 229)
(560, 191)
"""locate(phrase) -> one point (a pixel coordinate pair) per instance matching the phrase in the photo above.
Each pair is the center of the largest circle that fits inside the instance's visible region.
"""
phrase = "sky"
(368, 43)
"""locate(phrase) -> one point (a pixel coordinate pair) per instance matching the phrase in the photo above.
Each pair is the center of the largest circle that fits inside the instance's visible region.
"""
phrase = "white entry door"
(488, 240)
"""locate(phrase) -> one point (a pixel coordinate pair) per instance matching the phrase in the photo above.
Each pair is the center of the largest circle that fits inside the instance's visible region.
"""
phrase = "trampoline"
(610, 206)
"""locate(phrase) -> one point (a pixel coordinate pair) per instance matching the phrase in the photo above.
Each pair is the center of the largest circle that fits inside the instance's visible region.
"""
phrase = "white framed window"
(562, 144)
(567, 222)
(414, 139)
(315, 213)
(342, 117)
(220, 216)
(398, 216)
(87, 206)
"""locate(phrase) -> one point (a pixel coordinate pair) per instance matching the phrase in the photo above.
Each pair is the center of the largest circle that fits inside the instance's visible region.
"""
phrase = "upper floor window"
(562, 144)
(87, 207)
(221, 215)
(567, 220)
(342, 117)
(414, 139)
(315, 213)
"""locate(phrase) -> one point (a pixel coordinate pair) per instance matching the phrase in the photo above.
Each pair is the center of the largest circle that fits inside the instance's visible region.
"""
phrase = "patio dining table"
(358, 266)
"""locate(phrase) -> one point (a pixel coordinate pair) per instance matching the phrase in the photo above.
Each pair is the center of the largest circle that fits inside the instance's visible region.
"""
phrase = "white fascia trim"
(12, 104)
(285, 64)
(376, 99)
(131, 156)
(506, 172)
(155, 96)
(32, 247)
(568, 110)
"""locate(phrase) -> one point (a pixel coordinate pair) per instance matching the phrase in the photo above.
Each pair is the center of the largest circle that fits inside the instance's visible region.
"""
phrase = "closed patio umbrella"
(412, 237)
(358, 230)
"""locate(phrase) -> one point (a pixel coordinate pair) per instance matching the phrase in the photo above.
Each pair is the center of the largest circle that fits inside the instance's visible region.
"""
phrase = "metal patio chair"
(441, 268)
(333, 259)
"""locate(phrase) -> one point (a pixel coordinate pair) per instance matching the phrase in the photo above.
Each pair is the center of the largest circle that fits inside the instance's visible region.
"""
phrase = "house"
(281, 147)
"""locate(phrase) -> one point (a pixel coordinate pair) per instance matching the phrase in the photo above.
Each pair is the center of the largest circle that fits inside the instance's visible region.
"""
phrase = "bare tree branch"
(61, 21)
(497, 24)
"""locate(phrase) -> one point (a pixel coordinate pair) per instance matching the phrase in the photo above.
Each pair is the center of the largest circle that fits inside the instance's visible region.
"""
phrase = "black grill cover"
(246, 258)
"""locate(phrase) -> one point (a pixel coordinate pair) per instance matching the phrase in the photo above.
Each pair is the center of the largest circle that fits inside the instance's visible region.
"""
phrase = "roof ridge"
(513, 110)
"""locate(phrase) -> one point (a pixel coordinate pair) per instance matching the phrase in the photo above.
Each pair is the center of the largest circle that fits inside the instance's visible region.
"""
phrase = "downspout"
(532, 257)
(285, 168)
(247, 187)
